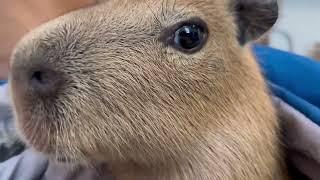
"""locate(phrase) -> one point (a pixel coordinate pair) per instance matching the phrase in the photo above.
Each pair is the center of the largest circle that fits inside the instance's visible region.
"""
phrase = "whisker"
(188, 5)
(162, 9)
(174, 5)
(167, 7)
(153, 13)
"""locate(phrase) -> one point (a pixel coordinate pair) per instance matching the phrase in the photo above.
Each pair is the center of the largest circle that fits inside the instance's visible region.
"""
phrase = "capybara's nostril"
(39, 77)
(44, 82)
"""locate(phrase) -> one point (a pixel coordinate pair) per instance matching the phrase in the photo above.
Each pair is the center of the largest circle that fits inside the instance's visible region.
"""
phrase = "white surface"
(301, 19)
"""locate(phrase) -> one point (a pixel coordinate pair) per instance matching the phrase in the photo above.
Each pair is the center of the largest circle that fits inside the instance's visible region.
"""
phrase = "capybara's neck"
(246, 159)
(245, 146)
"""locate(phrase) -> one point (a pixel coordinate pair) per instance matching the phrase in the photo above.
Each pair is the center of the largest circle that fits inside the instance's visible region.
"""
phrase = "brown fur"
(151, 112)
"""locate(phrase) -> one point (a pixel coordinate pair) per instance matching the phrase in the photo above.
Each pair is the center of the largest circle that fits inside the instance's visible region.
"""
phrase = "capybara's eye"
(188, 36)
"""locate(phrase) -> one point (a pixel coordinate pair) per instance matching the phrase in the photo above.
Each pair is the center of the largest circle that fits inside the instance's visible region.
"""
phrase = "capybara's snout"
(35, 77)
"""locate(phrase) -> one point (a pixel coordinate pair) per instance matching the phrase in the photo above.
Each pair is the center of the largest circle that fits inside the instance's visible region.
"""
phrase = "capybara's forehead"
(162, 10)
(128, 22)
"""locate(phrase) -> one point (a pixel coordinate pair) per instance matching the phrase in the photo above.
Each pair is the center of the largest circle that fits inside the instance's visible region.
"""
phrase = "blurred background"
(298, 27)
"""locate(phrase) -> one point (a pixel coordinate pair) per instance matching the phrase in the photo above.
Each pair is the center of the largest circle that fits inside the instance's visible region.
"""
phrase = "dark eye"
(188, 37)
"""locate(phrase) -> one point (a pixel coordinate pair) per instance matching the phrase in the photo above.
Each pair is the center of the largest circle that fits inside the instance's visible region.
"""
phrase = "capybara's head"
(140, 80)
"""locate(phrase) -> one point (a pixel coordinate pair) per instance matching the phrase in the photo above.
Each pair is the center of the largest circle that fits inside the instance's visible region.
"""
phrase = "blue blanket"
(293, 78)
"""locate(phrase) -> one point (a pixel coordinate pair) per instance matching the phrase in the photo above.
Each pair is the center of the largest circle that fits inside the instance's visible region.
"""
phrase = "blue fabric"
(294, 79)
(298, 74)
(309, 110)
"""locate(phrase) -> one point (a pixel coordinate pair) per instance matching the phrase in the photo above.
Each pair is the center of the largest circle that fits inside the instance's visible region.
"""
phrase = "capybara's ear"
(254, 17)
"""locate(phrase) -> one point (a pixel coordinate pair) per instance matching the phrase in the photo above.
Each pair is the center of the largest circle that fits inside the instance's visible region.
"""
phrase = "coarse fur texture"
(118, 94)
